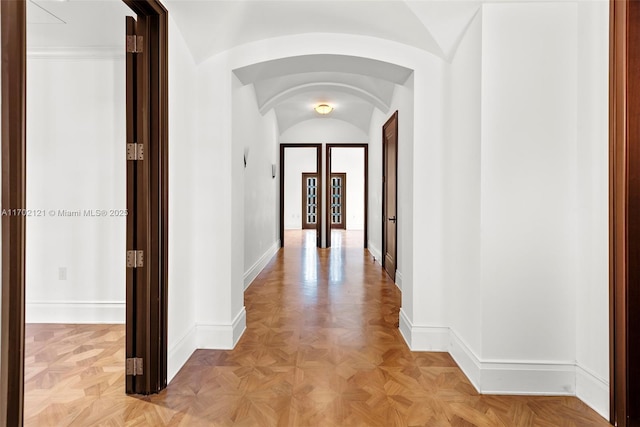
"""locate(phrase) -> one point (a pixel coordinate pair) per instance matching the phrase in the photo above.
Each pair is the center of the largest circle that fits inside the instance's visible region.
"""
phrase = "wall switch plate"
(62, 273)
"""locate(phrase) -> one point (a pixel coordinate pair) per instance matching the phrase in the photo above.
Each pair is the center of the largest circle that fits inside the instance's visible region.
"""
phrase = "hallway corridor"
(321, 348)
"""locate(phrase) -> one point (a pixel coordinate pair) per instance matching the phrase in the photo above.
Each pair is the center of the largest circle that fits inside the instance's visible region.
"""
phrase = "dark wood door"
(135, 178)
(624, 213)
(310, 198)
(146, 278)
(389, 194)
(338, 189)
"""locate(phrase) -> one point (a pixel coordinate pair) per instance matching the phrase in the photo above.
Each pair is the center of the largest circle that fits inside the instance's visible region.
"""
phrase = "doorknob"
(392, 219)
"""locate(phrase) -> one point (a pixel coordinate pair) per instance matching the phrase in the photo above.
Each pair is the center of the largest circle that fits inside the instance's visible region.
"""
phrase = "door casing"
(624, 213)
(327, 171)
(318, 148)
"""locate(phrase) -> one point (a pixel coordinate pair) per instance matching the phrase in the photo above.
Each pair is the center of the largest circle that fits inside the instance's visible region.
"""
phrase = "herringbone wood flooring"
(322, 348)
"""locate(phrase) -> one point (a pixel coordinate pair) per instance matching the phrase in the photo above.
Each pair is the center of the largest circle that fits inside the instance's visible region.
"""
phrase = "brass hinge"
(135, 151)
(134, 44)
(134, 366)
(135, 259)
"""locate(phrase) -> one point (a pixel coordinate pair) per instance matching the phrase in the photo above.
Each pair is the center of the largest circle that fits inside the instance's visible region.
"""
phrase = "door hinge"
(135, 151)
(134, 44)
(134, 366)
(135, 259)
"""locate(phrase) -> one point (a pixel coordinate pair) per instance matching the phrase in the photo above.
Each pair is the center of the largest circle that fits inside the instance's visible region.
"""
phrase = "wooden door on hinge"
(138, 325)
(389, 194)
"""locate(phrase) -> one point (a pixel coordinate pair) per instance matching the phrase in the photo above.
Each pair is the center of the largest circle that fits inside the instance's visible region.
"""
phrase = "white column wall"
(220, 317)
(528, 203)
(592, 297)
(424, 202)
(462, 194)
(183, 231)
(374, 208)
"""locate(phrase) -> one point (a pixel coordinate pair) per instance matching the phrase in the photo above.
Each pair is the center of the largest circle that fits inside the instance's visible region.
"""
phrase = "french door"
(310, 199)
(338, 188)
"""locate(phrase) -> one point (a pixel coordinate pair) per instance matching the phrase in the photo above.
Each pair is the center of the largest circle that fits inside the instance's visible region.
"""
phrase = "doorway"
(300, 193)
(75, 275)
(390, 195)
(152, 118)
(347, 175)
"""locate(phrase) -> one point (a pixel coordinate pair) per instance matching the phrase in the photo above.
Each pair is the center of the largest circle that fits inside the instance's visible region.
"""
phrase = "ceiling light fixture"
(323, 109)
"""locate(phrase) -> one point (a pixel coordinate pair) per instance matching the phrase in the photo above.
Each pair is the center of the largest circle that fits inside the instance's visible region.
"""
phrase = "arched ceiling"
(290, 86)
(240, 22)
(354, 86)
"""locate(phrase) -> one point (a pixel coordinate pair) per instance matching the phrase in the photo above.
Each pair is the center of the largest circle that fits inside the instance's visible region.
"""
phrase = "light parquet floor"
(322, 348)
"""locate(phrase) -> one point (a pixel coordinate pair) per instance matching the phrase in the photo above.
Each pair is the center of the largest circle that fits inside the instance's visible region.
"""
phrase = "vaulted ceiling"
(290, 86)
(353, 86)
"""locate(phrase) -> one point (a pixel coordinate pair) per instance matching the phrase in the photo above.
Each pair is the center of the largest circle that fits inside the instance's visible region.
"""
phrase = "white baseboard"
(375, 252)
(513, 377)
(549, 378)
(180, 352)
(466, 359)
(423, 338)
(260, 264)
(399, 280)
(88, 312)
(593, 390)
(221, 337)
(545, 379)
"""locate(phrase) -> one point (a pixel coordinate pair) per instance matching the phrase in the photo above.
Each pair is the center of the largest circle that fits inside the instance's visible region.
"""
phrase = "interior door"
(389, 194)
(138, 283)
(310, 197)
(338, 188)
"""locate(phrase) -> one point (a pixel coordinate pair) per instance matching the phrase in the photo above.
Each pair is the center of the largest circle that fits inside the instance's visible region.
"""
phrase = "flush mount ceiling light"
(323, 109)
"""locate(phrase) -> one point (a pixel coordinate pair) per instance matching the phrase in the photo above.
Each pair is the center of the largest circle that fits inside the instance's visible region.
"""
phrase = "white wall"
(258, 136)
(219, 259)
(351, 162)
(323, 130)
(402, 102)
(525, 204)
(182, 202)
(462, 202)
(592, 298)
(297, 161)
(75, 162)
(528, 176)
